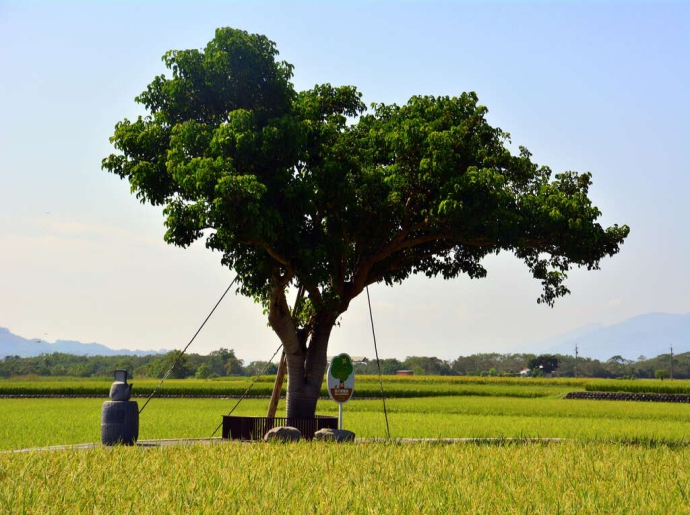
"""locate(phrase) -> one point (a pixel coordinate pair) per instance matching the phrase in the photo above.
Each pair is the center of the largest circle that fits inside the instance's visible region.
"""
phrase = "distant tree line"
(224, 362)
(221, 362)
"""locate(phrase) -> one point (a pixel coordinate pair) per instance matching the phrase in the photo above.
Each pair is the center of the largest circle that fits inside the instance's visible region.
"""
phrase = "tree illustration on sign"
(341, 368)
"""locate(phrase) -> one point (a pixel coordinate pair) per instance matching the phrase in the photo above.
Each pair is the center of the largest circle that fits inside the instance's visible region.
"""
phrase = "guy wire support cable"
(300, 292)
(179, 357)
(249, 388)
(378, 364)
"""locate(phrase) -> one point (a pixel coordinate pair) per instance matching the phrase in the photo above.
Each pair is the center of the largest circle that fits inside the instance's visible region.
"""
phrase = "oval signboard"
(341, 378)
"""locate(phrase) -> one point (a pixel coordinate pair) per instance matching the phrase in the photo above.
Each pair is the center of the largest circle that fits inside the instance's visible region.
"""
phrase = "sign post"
(341, 382)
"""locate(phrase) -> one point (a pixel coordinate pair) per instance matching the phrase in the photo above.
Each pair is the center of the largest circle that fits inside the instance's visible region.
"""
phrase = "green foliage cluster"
(662, 374)
(545, 364)
(307, 189)
(679, 363)
(223, 362)
(420, 365)
(60, 364)
(310, 186)
(569, 366)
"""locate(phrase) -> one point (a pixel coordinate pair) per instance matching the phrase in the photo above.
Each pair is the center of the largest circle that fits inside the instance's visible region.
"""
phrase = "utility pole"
(576, 360)
(671, 362)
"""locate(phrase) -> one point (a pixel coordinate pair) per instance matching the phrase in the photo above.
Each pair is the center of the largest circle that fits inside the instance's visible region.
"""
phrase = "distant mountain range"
(13, 345)
(646, 335)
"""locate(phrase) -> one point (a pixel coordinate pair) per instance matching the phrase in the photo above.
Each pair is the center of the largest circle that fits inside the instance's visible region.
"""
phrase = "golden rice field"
(568, 478)
(617, 457)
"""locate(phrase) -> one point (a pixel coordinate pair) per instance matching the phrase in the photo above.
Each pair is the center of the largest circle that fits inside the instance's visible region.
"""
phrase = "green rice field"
(616, 457)
(43, 422)
(455, 407)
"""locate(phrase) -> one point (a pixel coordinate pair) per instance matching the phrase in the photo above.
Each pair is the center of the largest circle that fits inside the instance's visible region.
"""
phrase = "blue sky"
(587, 86)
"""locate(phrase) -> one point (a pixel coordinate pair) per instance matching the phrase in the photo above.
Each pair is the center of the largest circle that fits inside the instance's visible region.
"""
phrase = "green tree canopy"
(662, 374)
(309, 189)
(545, 362)
(203, 371)
(180, 370)
(432, 366)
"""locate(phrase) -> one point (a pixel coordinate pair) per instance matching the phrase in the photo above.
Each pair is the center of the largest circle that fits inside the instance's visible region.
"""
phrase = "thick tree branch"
(280, 318)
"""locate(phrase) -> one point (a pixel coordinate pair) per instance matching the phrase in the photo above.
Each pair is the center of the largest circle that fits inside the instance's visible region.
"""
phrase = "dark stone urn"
(120, 416)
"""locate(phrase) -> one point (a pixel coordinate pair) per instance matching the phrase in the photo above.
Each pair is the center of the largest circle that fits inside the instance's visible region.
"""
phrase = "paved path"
(222, 441)
(140, 443)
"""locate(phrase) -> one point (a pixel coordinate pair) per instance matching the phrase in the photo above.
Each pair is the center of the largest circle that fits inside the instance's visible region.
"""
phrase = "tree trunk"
(306, 360)
(306, 371)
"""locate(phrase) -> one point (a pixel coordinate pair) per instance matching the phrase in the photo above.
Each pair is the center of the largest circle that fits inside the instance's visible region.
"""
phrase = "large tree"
(306, 190)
